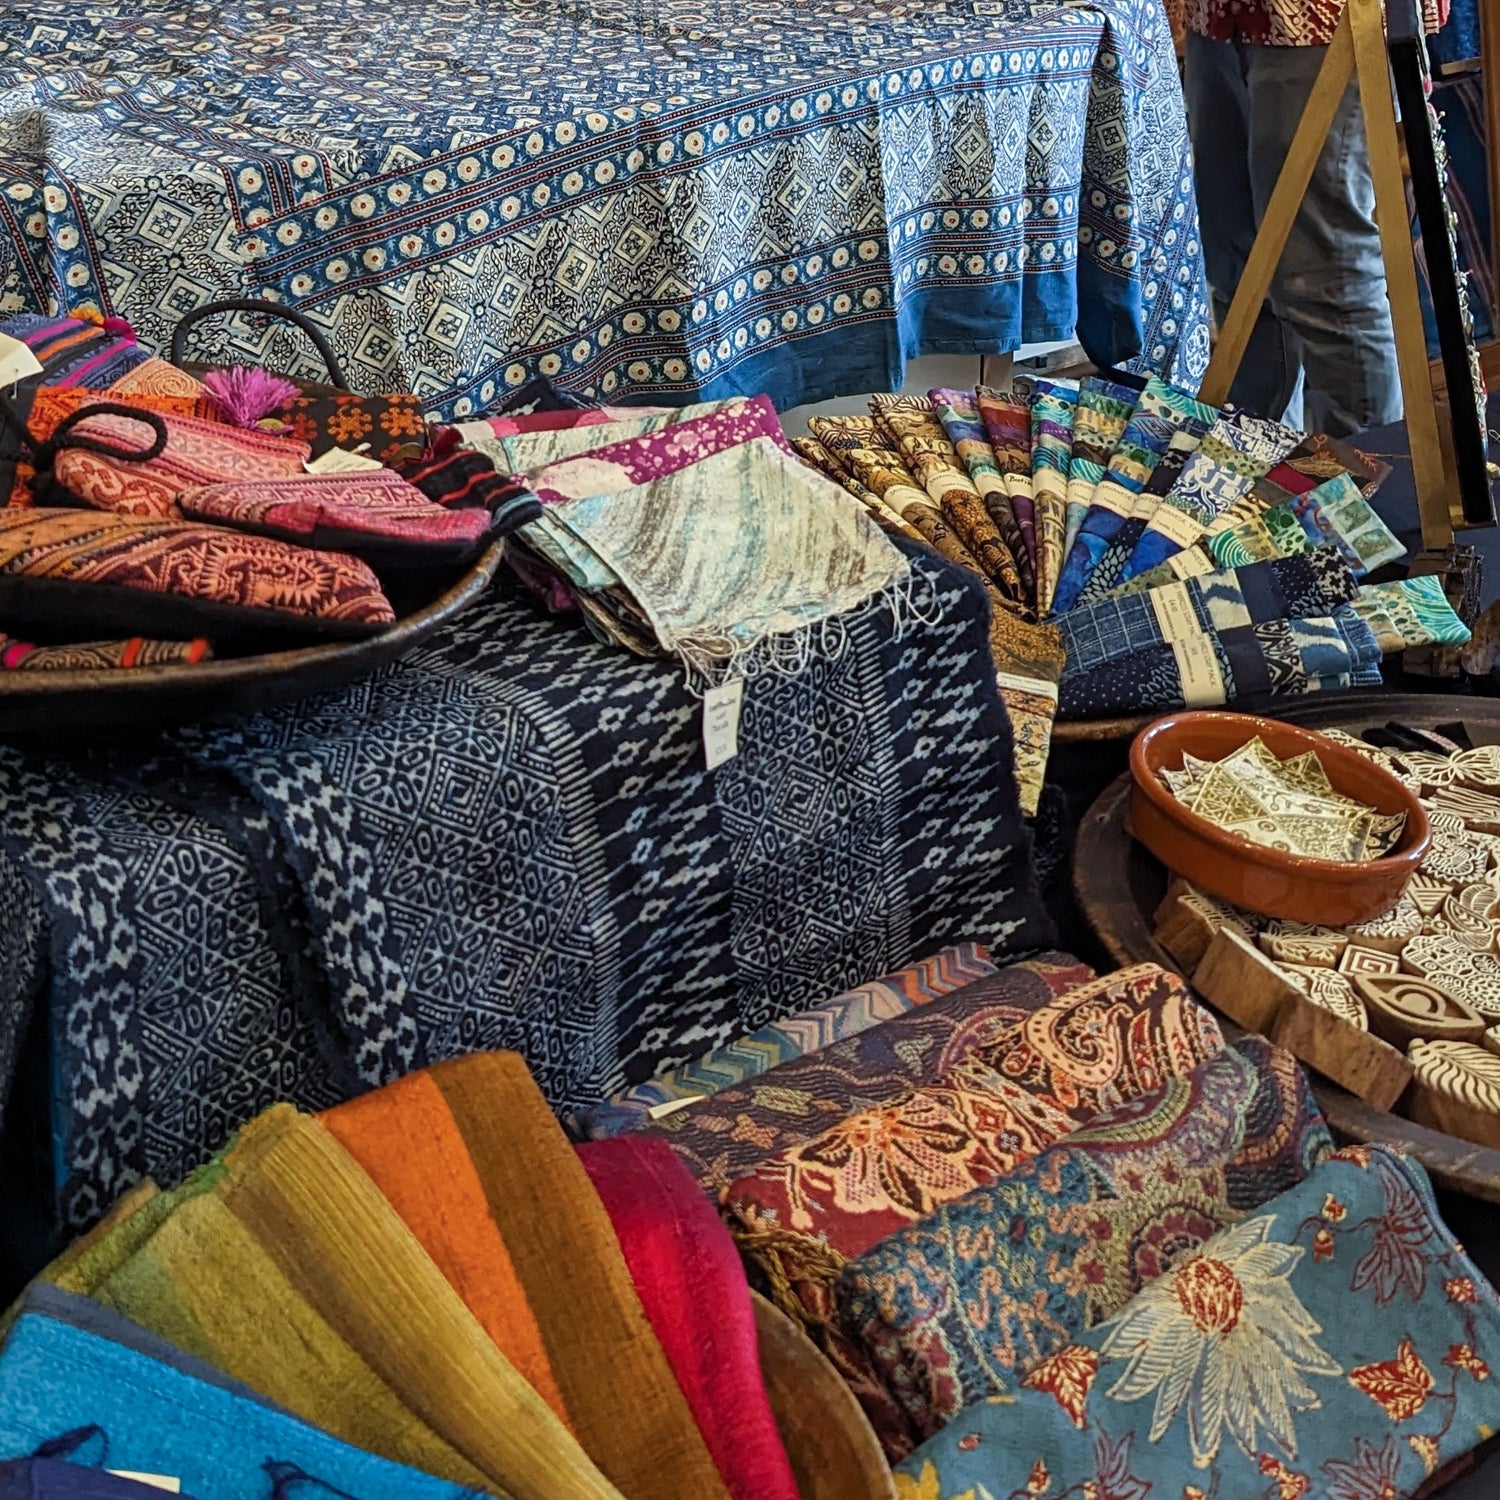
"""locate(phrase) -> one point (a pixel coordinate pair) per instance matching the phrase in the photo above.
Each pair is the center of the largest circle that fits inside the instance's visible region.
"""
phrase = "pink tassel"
(120, 328)
(246, 394)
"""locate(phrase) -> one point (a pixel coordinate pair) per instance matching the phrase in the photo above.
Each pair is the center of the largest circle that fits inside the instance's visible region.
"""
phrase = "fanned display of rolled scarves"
(1161, 413)
(1007, 424)
(958, 411)
(1099, 422)
(1054, 404)
(1236, 451)
(932, 458)
(817, 456)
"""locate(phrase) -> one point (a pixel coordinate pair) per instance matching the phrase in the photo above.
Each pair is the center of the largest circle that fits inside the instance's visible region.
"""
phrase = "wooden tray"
(1119, 886)
(47, 705)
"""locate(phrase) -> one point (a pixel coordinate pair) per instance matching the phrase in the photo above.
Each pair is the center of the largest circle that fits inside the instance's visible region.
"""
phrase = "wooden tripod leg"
(1436, 485)
(1281, 213)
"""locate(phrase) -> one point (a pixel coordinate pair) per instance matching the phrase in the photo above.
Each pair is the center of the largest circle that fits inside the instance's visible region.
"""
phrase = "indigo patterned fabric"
(1277, 658)
(734, 1130)
(1334, 1345)
(505, 839)
(588, 203)
(802, 1032)
(1161, 414)
(957, 1308)
(1280, 588)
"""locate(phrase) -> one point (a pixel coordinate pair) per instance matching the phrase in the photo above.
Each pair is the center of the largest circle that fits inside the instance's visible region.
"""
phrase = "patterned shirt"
(1283, 23)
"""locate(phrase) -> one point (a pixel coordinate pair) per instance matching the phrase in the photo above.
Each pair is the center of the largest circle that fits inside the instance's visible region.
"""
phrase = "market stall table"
(639, 200)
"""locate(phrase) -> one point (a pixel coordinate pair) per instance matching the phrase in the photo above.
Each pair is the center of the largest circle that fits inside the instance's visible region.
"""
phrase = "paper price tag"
(1175, 615)
(17, 362)
(721, 722)
(151, 1481)
(341, 461)
(672, 1106)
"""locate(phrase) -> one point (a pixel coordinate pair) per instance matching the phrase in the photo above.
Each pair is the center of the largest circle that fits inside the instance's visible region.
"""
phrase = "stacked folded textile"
(1081, 503)
(1060, 1240)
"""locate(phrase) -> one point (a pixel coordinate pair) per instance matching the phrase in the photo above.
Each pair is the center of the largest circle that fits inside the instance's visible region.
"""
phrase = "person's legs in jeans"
(1220, 119)
(1329, 291)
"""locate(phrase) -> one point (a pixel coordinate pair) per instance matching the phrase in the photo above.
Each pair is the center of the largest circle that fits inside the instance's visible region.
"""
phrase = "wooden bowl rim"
(1416, 836)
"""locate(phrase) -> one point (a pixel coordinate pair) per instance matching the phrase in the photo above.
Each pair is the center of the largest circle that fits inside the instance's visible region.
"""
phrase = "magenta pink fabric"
(556, 421)
(692, 1285)
(653, 455)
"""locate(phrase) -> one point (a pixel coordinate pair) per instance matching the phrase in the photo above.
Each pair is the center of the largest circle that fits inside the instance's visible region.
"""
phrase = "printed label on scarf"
(1190, 564)
(1175, 616)
(721, 722)
(1114, 498)
(1198, 668)
(17, 362)
(151, 1481)
(671, 1106)
(341, 461)
(1037, 685)
(1176, 525)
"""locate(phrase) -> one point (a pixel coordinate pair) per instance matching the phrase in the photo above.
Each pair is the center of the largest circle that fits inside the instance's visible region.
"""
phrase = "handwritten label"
(341, 461)
(721, 722)
(1175, 616)
(1198, 667)
(17, 362)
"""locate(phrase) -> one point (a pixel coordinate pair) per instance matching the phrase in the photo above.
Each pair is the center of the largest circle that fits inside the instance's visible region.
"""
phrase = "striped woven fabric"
(811, 1030)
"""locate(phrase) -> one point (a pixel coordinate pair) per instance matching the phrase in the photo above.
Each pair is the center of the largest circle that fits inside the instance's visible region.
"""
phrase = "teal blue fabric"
(67, 1370)
(1334, 1345)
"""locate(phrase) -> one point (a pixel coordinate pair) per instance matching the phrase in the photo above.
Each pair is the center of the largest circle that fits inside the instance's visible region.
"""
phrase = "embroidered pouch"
(89, 572)
(374, 514)
(43, 408)
(389, 429)
(197, 453)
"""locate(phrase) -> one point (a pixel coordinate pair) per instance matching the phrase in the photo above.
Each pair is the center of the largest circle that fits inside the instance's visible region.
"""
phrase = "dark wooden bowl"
(48, 705)
(834, 1451)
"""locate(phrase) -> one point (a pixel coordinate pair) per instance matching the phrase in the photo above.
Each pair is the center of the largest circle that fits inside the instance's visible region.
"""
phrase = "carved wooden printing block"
(1404, 1009)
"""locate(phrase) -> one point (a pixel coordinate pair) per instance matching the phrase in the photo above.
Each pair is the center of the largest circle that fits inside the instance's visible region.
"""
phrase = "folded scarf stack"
(1058, 1237)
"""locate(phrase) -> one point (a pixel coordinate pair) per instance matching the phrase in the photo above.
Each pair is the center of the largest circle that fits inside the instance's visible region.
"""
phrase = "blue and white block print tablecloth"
(650, 199)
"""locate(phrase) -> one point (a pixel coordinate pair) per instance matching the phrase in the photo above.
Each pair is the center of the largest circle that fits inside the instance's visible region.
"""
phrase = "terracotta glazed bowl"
(1333, 892)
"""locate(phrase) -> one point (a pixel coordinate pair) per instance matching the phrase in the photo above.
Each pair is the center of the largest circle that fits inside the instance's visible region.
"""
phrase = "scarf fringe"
(911, 599)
